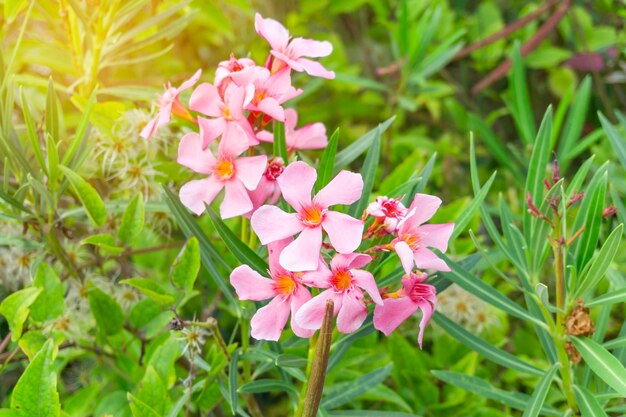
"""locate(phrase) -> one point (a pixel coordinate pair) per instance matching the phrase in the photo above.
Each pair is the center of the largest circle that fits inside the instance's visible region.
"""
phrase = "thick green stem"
(315, 385)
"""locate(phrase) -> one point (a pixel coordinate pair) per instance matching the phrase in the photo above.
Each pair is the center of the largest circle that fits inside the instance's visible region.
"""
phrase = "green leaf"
(588, 240)
(103, 241)
(187, 265)
(357, 388)
(587, 403)
(32, 342)
(53, 161)
(325, 171)
(151, 289)
(164, 360)
(15, 309)
(35, 393)
(576, 117)
(107, 312)
(522, 109)
(541, 391)
(486, 349)
(139, 408)
(493, 143)
(612, 297)
(356, 148)
(81, 134)
(290, 361)
(49, 304)
(267, 385)
(280, 144)
(132, 221)
(470, 211)
(152, 391)
(52, 113)
(233, 375)
(485, 292)
(368, 173)
(618, 143)
(369, 413)
(241, 251)
(600, 264)
(606, 366)
(483, 388)
(88, 196)
(31, 131)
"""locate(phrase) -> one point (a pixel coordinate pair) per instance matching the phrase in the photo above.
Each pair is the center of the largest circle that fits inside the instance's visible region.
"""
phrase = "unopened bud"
(556, 172)
(576, 197)
(609, 211)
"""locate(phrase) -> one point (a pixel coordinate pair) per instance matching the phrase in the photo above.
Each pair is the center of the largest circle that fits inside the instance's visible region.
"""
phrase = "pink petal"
(422, 208)
(345, 188)
(291, 119)
(393, 313)
(426, 259)
(349, 261)
(274, 249)
(190, 82)
(303, 253)
(236, 200)
(345, 232)
(427, 312)
(236, 98)
(311, 136)
(365, 280)
(311, 314)
(296, 183)
(405, 253)
(265, 136)
(310, 47)
(149, 129)
(436, 235)
(234, 141)
(250, 285)
(319, 278)
(271, 223)
(210, 129)
(196, 193)
(250, 169)
(206, 100)
(272, 31)
(315, 69)
(264, 190)
(351, 315)
(192, 154)
(268, 322)
(287, 59)
(298, 298)
(271, 107)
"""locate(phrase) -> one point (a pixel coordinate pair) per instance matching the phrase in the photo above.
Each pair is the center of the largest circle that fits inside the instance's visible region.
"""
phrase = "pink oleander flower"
(226, 110)
(399, 306)
(290, 51)
(169, 103)
(414, 237)
(270, 90)
(343, 283)
(312, 215)
(268, 189)
(236, 175)
(284, 288)
(310, 136)
(226, 69)
(387, 212)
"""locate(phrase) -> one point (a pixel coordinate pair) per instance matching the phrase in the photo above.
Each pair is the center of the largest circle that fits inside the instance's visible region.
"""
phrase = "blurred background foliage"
(407, 59)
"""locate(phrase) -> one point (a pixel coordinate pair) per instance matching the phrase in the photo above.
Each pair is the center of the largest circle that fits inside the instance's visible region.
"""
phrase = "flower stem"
(309, 363)
(315, 383)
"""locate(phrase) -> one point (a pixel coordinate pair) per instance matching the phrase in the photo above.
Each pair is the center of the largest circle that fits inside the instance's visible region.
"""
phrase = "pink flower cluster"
(316, 251)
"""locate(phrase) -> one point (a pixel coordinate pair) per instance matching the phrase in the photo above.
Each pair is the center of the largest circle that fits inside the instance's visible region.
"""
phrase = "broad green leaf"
(15, 309)
(325, 171)
(187, 265)
(140, 408)
(606, 366)
(612, 297)
(485, 292)
(164, 360)
(107, 312)
(588, 240)
(280, 144)
(357, 388)
(50, 303)
(541, 391)
(35, 393)
(241, 251)
(587, 403)
(356, 148)
(267, 385)
(522, 109)
(484, 348)
(368, 173)
(152, 391)
(151, 289)
(7, 412)
(617, 141)
(485, 389)
(31, 343)
(233, 376)
(600, 264)
(104, 241)
(208, 253)
(88, 196)
(132, 221)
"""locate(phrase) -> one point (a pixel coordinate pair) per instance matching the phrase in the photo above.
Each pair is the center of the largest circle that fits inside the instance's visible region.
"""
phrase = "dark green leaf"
(107, 312)
(325, 171)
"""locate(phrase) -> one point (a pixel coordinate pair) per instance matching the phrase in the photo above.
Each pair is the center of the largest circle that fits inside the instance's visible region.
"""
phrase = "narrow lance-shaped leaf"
(325, 171)
(587, 403)
(233, 375)
(52, 112)
(31, 131)
(617, 141)
(522, 108)
(356, 148)
(612, 297)
(357, 388)
(280, 144)
(593, 221)
(368, 172)
(575, 121)
(469, 212)
(606, 366)
(541, 391)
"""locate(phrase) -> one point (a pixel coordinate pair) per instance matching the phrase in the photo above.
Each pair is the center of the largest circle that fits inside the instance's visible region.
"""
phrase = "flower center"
(225, 170)
(227, 114)
(341, 280)
(311, 216)
(285, 284)
(275, 167)
(411, 240)
(258, 96)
